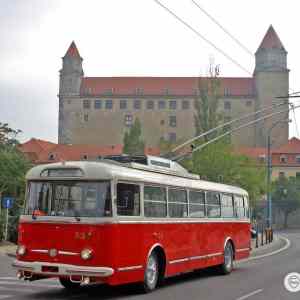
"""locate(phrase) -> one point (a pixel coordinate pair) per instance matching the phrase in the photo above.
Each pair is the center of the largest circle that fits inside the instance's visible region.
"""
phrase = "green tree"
(133, 142)
(13, 166)
(218, 162)
(206, 103)
(286, 196)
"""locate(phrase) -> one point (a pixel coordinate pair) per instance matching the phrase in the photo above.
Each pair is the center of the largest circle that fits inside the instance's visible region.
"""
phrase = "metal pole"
(6, 225)
(269, 218)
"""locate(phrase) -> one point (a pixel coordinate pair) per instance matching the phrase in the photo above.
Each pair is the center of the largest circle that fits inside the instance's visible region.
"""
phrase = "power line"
(202, 37)
(224, 29)
(228, 123)
(182, 156)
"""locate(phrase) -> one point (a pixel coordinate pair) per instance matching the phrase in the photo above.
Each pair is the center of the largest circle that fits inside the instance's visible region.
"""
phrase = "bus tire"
(151, 274)
(68, 284)
(227, 266)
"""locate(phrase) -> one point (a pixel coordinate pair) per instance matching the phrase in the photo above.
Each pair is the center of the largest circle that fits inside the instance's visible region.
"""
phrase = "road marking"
(29, 284)
(287, 245)
(250, 294)
(5, 296)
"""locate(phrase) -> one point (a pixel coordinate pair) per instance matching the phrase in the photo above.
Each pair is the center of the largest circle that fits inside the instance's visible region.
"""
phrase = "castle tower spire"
(73, 51)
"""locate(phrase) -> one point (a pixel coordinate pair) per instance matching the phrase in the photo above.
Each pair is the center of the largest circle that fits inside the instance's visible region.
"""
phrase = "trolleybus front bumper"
(44, 268)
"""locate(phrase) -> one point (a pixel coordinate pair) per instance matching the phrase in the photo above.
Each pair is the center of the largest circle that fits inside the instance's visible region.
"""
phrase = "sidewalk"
(277, 244)
(8, 248)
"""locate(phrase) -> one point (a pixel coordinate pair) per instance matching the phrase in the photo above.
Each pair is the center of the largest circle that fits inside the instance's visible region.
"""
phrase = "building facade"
(99, 110)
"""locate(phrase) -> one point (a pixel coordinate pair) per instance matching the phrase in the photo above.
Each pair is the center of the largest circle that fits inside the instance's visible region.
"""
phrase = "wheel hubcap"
(228, 257)
(151, 272)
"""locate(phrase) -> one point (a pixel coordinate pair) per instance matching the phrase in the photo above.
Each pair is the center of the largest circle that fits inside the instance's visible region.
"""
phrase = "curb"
(285, 247)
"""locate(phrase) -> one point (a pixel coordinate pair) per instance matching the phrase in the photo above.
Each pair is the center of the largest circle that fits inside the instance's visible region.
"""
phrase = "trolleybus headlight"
(86, 254)
(21, 250)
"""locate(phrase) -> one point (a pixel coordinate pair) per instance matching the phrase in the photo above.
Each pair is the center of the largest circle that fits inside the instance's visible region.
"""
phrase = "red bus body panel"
(125, 245)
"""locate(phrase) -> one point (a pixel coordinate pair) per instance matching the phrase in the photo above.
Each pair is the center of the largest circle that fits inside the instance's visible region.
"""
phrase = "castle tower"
(69, 87)
(271, 80)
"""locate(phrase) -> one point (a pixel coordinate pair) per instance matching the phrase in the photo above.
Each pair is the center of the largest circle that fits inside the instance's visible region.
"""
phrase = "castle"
(98, 110)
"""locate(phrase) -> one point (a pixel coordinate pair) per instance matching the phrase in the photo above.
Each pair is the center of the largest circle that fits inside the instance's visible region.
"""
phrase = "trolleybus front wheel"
(151, 275)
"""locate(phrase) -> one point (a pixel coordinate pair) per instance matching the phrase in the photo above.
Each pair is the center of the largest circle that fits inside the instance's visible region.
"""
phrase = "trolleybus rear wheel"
(227, 265)
(151, 275)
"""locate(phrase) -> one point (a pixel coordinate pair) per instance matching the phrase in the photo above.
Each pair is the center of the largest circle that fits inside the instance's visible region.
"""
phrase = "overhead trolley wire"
(236, 40)
(202, 37)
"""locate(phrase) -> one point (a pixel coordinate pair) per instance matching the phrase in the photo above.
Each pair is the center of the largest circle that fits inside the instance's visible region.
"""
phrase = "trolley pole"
(6, 225)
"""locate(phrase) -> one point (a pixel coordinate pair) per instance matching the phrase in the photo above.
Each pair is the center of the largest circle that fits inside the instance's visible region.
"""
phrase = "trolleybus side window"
(197, 204)
(239, 206)
(155, 201)
(213, 204)
(128, 199)
(227, 206)
(246, 207)
(177, 203)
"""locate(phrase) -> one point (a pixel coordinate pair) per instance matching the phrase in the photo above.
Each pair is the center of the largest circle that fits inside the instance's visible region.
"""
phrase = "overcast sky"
(119, 38)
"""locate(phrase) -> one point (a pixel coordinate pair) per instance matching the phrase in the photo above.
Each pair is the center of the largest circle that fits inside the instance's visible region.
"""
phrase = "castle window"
(150, 104)
(281, 175)
(137, 104)
(172, 137)
(172, 121)
(248, 103)
(162, 122)
(123, 104)
(283, 159)
(108, 104)
(84, 157)
(185, 104)
(161, 104)
(98, 104)
(86, 104)
(86, 117)
(128, 120)
(173, 104)
(227, 105)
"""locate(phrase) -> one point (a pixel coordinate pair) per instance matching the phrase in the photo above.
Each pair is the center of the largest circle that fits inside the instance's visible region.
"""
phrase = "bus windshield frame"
(69, 198)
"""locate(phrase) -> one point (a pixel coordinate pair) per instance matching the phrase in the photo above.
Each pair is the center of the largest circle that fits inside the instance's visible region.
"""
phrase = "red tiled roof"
(292, 147)
(271, 40)
(72, 51)
(39, 151)
(161, 85)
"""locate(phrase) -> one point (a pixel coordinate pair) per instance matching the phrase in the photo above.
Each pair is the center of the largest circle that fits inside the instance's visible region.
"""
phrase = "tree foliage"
(286, 196)
(133, 142)
(13, 166)
(206, 103)
(217, 162)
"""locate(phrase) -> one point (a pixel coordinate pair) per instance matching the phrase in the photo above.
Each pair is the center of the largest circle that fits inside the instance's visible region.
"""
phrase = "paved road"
(254, 280)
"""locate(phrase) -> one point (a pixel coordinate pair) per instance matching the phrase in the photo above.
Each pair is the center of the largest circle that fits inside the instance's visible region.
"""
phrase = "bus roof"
(108, 170)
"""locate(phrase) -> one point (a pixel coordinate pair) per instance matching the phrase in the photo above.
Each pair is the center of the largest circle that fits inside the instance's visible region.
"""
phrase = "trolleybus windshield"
(69, 199)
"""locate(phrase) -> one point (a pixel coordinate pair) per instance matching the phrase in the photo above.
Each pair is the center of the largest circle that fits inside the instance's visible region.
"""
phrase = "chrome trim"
(242, 249)
(226, 240)
(67, 253)
(127, 219)
(64, 269)
(198, 257)
(130, 268)
(59, 251)
(176, 261)
(39, 250)
(214, 254)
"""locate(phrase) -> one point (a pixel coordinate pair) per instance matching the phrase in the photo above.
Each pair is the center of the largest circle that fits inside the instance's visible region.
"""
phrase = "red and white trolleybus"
(127, 219)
